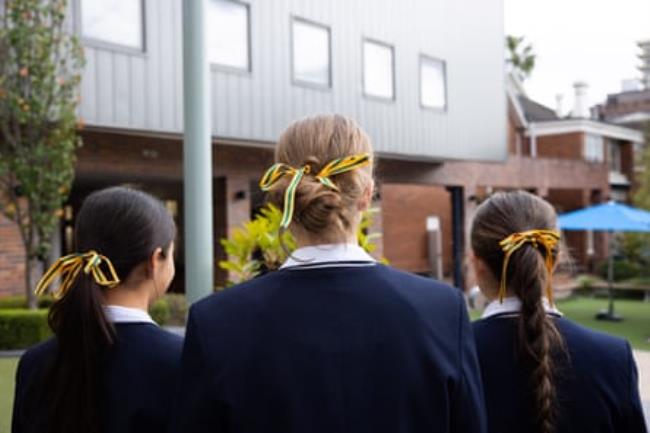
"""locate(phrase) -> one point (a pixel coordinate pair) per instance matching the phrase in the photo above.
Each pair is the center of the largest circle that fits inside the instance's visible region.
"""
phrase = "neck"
(130, 297)
(307, 241)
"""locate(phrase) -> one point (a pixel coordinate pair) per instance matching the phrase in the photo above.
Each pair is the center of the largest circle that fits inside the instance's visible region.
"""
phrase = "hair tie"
(546, 238)
(68, 268)
(334, 167)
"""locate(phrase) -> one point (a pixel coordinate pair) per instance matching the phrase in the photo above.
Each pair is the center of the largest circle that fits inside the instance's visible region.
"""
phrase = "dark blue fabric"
(140, 379)
(345, 349)
(597, 385)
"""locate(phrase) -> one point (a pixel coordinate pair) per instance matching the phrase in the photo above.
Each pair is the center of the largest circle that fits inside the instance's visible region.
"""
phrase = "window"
(311, 53)
(378, 70)
(433, 86)
(615, 163)
(594, 150)
(115, 22)
(228, 33)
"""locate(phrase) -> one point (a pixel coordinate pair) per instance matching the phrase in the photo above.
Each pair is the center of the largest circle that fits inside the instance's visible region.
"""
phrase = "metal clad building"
(141, 89)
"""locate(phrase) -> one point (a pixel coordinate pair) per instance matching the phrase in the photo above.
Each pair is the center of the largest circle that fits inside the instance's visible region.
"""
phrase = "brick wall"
(564, 146)
(404, 212)
(12, 259)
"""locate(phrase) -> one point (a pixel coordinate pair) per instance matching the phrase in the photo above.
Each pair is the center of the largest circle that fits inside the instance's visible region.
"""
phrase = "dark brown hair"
(500, 216)
(315, 141)
(126, 226)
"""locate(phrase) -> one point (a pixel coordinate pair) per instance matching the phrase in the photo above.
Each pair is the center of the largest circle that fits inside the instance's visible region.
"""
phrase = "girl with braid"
(333, 341)
(541, 372)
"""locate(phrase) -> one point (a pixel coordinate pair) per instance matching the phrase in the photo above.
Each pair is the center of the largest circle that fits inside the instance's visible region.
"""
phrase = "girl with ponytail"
(541, 372)
(109, 367)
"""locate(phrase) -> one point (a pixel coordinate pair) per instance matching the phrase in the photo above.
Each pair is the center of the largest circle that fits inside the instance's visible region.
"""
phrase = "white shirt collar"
(119, 314)
(512, 304)
(329, 255)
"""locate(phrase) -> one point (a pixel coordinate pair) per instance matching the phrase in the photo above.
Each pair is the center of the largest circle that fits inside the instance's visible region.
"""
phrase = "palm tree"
(521, 58)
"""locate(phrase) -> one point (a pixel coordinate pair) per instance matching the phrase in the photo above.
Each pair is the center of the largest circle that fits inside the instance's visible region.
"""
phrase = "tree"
(40, 71)
(521, 59)
(642, 193)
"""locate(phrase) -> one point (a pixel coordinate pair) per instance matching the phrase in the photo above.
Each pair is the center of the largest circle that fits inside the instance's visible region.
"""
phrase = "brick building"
(444, 139)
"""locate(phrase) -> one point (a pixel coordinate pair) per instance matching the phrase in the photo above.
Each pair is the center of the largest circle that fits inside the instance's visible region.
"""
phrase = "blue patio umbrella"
(610, 217)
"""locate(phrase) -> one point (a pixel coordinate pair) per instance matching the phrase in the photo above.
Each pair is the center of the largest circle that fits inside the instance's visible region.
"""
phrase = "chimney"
(559, 98)
(580, 108)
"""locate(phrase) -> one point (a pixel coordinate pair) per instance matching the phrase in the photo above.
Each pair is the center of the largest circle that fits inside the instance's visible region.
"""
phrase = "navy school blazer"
(339, 349)
(596, 380)
(140, 379)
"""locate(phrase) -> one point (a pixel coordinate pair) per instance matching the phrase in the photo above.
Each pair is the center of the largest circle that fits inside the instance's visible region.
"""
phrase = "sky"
(592, 41)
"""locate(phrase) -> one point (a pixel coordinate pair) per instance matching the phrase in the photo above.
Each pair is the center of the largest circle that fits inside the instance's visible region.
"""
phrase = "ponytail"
(83, 336)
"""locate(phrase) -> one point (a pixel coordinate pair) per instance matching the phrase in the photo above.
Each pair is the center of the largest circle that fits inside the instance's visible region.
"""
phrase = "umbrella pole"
(609, 314)
(610, 283)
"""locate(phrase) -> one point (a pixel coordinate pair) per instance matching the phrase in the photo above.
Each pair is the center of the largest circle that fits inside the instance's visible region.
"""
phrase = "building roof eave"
(587, 126)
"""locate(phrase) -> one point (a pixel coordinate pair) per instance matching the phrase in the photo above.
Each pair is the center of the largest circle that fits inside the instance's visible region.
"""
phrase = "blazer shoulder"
(39, 352)
(418, 285)
(592, 341)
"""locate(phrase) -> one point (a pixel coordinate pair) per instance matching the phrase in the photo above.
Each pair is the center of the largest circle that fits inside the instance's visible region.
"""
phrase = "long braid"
(537, 338)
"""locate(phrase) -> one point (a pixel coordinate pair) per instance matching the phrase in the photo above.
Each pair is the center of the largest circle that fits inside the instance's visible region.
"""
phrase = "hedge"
(20, 301)
(21, 328)
(171, 309)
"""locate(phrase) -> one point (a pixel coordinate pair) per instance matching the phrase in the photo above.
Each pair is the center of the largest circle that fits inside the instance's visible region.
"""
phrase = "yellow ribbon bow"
(332, 168)
(68, 268)
(546, 238)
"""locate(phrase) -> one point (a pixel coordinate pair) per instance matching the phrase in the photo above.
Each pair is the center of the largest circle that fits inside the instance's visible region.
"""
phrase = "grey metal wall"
(143, 91)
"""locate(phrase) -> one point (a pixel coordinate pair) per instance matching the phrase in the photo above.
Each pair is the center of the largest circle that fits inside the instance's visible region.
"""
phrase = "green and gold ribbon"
(546, 238)
(69, 267)
(341, 165)
(334, 167)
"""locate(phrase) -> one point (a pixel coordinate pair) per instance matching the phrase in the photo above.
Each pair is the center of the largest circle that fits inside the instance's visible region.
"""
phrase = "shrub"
(623, 270)
(255, 247)
(21, 328)
(20, 301)
(177, 308)
(586, 282)
(159, 311)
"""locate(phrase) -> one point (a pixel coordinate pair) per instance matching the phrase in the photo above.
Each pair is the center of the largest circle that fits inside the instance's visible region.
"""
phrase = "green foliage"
(585, 281)
(20, 328)
(159, 311)
(20, 301)
(521, 59)
(623, 270)
(171, 309)
(178, 308)
(642, 194)
(40, 72)
(255, 247)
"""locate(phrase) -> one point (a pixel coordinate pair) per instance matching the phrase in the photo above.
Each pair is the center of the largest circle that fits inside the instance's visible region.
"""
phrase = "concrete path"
(643, 363)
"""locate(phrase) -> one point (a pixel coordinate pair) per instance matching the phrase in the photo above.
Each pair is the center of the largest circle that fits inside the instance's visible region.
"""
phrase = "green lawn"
(635, 327)
(7, 372)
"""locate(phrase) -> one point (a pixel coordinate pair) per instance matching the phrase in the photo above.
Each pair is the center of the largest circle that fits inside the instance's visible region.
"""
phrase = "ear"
(154, 261)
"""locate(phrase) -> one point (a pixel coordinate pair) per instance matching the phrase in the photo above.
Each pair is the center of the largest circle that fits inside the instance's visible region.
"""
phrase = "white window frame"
(393, 96)
(305, 83)
(590, 153)
(427, 58)
(249, 50)
(108, 45)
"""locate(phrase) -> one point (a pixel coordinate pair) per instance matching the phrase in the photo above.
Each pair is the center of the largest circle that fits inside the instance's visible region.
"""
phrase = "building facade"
(448, 127)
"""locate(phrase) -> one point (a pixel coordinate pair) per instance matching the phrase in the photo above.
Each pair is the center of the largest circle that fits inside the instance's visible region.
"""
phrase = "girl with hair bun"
(541, 372)
(333, 341)
(109, 367)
